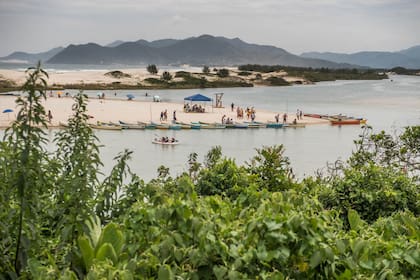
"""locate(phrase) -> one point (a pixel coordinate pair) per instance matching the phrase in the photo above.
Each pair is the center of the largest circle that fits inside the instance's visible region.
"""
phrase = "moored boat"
(274, 125)
(345, 121)
(295, 125)
(105, 126)
(126, 125)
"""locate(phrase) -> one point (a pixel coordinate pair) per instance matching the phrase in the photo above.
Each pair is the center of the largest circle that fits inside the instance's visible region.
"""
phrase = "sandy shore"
(133, 111)
(61, 78)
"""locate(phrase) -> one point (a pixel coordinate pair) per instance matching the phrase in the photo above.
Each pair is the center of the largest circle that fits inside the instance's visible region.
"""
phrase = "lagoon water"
(388, 105)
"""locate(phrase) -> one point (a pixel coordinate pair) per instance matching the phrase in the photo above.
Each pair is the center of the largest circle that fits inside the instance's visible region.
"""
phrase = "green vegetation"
(218, 220)
(318, 75)
(166, 76)
(244, 73)
(404, 71)
(277, 81)
(206, 69)
(152, 69)
(223, 73)
(117, 74)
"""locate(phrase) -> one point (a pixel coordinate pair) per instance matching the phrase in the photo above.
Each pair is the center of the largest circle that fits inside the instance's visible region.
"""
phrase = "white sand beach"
(111, 110)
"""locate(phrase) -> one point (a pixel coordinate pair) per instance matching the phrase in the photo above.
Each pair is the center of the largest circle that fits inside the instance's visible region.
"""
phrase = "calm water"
(388, 105)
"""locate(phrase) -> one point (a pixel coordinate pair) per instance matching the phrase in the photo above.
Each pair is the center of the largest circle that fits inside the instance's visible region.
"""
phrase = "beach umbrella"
(8, 111)
(130, 96)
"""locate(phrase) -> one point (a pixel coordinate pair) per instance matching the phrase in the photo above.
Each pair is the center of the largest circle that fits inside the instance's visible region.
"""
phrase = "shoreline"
(114, 110)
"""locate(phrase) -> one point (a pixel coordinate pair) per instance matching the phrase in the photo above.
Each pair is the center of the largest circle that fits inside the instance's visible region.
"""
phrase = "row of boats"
(193, 125)
(338, 119)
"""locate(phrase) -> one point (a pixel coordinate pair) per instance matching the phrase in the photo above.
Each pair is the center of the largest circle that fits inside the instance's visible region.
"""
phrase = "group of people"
(299, 114)
(193, 109)
(166, 139)
(164, 116)
(226, 120)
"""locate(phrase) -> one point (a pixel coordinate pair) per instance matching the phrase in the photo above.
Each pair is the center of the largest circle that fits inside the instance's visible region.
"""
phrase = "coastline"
(114, 110)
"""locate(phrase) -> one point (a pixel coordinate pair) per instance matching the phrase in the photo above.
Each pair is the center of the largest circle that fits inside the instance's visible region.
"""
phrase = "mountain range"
(408, 58)
(212, 50)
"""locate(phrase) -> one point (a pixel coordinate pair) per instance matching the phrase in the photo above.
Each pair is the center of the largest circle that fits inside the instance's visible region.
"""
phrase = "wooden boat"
(147, 125)
(295, 125)
(184, 125)
(274, 125)
(345, 121)
(125, 125)
(175, 126)
(255, 124)
(160, 125)
(105, 126)
(214, 125)
(241, 125)
(169, 143)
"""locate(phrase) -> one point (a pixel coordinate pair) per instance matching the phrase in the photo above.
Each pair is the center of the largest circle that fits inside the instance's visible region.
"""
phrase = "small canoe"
(175, 126)
(125, 125)
(214, 125)
(295, 125)
(105, 127)
(160, 125)
(255, 124)
(160, 142)
(184, 125)
(274, 125)
(241, 125)
(345, 121)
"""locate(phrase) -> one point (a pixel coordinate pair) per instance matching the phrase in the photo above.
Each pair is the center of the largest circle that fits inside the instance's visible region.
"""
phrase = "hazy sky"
(295, 25)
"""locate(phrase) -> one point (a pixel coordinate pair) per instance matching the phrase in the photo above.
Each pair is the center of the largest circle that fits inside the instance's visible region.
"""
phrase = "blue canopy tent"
(196, 98)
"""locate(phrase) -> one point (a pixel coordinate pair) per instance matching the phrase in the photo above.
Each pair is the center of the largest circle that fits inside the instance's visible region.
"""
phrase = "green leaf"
(106, 251)
(165, 273)
(354, 219)
(86, 250)
(316, 259)
(112, 235)
(220, 272)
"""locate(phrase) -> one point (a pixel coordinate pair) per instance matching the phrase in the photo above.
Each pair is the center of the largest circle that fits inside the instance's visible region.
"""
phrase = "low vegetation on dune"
(61, 219)
(117, 74)
(318, 74)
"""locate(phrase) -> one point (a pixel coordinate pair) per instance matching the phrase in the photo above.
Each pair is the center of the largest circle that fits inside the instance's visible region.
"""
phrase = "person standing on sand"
(301, 115)
(174, 115)
(277, 118)
(223, 119)
(297, 114)
(232, 106)
(49, 116)
(284, 118)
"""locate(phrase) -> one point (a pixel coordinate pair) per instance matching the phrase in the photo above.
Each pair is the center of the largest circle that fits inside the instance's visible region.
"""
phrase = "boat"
(175, 126)
(255, 124)
(126, 125)
(273, 125)
(105, 126)
(240, 125)
(162, 142)
(295, 125)
(214, 125)
(184, 125)
(147, 125)
(345, 121)
(160, 125)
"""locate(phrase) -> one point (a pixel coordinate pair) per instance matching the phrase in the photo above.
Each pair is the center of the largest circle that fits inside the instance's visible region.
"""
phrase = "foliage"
(374, 182)
(272, 169)
(166, 76)
(318, 74)
(219, 221)
(206, 69)
(223, 73)
(152, 69)
(277, 81)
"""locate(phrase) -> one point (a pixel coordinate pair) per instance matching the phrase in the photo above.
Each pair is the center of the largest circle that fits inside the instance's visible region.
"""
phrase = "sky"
(295, 25)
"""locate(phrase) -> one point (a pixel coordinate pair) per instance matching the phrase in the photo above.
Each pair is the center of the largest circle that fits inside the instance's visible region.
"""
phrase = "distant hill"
(24, 57)
(202, 50)
(114, 44)
(409, 58)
